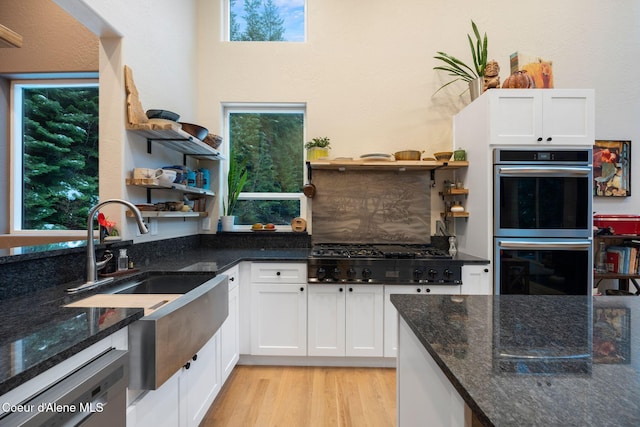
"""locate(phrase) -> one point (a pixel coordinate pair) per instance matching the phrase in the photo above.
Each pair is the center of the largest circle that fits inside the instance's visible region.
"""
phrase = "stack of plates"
(378, 156)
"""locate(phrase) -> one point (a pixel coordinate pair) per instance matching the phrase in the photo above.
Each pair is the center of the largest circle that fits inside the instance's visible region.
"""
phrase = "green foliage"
(323, 142)
(236, 180)
(270, 145)
(263, 22)
(458, 69)
(60, 157)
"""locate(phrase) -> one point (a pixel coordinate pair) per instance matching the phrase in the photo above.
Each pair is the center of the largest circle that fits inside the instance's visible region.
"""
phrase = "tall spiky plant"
(458, 69)
(236, 179)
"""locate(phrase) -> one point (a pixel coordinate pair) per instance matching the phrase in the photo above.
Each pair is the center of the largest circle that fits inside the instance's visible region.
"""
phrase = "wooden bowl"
(443, 156)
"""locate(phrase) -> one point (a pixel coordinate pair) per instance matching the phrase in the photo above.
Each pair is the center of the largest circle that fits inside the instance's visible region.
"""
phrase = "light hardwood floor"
(269, 396)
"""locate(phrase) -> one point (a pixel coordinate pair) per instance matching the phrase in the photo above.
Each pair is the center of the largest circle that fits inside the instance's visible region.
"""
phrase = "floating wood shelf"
(386, 165)
(153, 184)
(170, 214)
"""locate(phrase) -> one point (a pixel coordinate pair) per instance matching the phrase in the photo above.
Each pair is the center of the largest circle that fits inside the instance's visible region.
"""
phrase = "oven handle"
(544, 245)
(565, 170)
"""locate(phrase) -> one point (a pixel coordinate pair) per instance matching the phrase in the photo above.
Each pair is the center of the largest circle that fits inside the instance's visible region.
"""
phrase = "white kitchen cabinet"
(346, 320)
(364, 320)
(541, 116)
(391, 314)
(184, 399)
(476, 280)
(326, 320)
(230, 329)
(200, 382)
(278, 309)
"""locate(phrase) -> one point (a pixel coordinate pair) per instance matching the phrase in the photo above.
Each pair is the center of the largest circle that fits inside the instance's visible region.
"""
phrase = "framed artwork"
(612, 168)
(611, 335)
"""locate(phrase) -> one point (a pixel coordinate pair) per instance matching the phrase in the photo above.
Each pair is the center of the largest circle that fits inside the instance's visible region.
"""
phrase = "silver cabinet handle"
(565, 170)
(544, 245)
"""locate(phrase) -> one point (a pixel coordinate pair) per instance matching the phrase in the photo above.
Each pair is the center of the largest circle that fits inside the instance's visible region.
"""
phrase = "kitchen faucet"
(92, 265)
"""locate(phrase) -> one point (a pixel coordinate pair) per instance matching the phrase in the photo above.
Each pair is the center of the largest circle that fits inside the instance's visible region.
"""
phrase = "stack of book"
(623, 258)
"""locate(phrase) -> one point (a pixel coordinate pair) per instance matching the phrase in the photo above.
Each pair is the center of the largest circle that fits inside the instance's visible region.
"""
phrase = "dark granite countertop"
(535, 360)
(47, 333)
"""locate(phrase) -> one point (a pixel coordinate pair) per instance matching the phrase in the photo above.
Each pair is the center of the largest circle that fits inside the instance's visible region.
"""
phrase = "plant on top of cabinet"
(460, 70)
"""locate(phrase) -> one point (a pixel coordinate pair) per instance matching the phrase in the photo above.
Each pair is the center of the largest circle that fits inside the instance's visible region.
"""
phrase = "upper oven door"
(542, 200)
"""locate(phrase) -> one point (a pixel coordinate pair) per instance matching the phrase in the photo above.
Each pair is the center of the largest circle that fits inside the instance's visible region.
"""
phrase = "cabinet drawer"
(277, 272)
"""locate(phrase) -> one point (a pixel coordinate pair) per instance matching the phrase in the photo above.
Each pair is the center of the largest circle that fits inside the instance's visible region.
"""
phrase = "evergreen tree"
(60, 157)
(262, 19)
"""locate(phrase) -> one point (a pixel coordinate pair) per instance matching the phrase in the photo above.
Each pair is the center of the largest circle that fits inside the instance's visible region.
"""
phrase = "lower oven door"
(543, 266)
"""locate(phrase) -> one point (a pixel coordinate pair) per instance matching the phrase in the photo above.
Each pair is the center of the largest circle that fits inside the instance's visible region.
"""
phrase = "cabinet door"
(157, 408)
(515, 116)
(278, 272)
(279, 319)
(476, 280)
(391, 316)
(201, 382)
(230, 334)
(326, 306)
(568, 117)
(364, 320)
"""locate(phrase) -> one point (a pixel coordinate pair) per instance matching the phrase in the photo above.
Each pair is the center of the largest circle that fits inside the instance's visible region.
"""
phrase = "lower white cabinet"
(279, 319)
(346, 320)
(476, 279)
(230, 329)
(391, 314)
(184, 399)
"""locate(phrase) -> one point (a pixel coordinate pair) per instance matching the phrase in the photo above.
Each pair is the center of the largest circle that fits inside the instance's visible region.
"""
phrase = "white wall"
(366, 71)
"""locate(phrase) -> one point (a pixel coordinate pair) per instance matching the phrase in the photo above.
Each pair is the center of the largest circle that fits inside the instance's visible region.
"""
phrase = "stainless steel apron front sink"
(165, 340)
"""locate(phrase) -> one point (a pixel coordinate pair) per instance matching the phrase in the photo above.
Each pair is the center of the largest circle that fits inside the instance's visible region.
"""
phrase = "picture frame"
(612, 168)
(611, 335)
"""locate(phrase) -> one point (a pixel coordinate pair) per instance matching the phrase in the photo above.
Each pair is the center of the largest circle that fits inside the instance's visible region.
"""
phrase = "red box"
(620, 224)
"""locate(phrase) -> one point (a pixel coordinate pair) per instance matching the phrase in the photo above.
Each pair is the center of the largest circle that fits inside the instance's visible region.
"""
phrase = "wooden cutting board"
(150, 302)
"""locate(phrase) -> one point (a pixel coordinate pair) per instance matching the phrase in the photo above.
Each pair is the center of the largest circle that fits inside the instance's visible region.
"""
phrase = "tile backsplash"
(382, 206)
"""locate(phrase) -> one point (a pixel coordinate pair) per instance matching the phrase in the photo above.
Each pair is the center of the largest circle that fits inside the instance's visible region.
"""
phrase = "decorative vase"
(475, 88)
(315, 153)
(227, 222)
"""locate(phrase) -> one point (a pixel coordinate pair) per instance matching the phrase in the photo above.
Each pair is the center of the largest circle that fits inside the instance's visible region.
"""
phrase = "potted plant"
(236, 179)
(456, 68)
(318, 148)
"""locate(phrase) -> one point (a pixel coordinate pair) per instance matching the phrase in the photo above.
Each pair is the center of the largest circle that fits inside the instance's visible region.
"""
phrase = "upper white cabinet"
(540, 116)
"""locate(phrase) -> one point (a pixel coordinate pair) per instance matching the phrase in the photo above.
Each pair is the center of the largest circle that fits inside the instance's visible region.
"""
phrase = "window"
(268, 140)
(266, 20)
(55, 153)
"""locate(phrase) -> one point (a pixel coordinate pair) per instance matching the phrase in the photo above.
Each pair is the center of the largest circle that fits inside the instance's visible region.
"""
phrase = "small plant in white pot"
(236, 179)
(318, 148)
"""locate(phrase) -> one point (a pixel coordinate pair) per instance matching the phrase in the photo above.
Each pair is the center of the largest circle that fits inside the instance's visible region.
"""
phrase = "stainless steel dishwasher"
(92, 396)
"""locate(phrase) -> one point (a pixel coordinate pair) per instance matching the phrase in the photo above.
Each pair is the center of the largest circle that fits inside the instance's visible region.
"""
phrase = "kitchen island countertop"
(534, 360)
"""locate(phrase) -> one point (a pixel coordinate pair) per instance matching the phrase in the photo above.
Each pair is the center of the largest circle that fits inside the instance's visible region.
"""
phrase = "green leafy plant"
(236, 179)
(323, 142)
(458, 69)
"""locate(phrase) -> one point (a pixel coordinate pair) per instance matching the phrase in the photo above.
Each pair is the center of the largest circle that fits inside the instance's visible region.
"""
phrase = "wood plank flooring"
(284, 396)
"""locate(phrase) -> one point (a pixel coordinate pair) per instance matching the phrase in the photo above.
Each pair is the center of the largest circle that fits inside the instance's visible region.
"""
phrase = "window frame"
(16, 150)
(226, 25)
(273, 107)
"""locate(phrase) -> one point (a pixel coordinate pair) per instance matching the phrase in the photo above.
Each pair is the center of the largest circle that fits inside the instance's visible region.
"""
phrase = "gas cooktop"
(399, 251)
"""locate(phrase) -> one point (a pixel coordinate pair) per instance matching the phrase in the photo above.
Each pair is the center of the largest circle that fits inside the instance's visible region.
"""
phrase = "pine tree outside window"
(55, 153)
(266, 20)
(268, 140)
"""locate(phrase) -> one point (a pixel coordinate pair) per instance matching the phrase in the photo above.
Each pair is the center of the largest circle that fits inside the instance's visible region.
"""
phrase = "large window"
(268, 141)
(55, 154)
(266, 20)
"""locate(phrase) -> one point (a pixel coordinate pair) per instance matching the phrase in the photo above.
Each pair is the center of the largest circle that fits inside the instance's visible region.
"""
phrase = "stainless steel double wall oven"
(543, 221)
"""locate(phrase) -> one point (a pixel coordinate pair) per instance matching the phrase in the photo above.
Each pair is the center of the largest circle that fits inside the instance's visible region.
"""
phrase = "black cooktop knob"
(321, 273)
(366, 273)
(432, 273)
(351, 273)
(336, 273)
(447, 273)
(417, 273)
